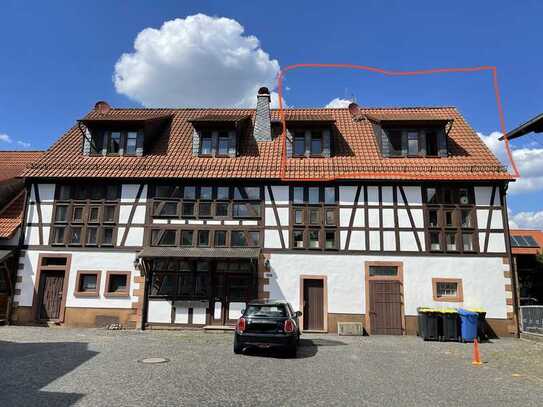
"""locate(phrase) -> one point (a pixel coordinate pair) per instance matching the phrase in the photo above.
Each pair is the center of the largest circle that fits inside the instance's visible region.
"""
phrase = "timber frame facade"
(200, 221)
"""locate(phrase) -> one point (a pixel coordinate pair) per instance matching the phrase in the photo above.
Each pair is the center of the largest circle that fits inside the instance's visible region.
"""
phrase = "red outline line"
(282, 72)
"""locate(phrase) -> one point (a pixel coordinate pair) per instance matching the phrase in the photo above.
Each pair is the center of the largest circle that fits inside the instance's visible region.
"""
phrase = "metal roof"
(241, 252)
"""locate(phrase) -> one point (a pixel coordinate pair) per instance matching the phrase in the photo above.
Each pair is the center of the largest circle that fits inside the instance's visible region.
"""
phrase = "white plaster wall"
(280, 195)
(358, 240)
(269, 217)
(482, 279)
(389, 241)
(272, 239)
(482, 218)
(124, 213)
(388, 218)
(373, 217)
(135, 236)
(373, 195)
(47, 193)
(46, 213)
(375, 240)
(130, 191)
(32, 236)
(359, 220)
(139, 214)
(82, 260)
(32, 214)
(483, 195)
(283, 216)
(347, 195)
(496, 243)
(386, 193)
(408, 243)
(413, 195)
(345, 216)
(497, 220)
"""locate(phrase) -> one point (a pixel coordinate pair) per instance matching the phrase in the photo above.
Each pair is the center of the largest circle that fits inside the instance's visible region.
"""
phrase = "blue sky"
(59, 57)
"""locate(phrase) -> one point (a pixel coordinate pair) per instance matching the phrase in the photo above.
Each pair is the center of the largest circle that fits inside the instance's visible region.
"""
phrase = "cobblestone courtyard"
(64, 367)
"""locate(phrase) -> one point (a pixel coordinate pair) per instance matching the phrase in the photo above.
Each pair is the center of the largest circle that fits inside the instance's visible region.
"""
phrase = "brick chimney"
(262, 129)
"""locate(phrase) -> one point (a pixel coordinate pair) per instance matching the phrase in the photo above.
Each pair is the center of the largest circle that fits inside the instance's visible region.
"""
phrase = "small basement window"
(447, 289)
(87, 284)
(117, 284)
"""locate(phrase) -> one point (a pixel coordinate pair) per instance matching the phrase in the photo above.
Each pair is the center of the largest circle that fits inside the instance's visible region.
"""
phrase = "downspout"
(512, 264)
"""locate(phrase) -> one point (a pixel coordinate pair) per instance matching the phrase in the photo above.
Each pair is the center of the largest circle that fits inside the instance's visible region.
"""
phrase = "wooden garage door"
(313, 313)
(385, 307)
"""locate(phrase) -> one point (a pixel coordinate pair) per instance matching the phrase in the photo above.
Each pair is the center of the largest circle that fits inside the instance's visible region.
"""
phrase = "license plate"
(263, 345)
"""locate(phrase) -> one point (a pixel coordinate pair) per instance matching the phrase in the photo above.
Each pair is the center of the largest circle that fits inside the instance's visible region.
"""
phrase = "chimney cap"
(263, 91)
(102, 107)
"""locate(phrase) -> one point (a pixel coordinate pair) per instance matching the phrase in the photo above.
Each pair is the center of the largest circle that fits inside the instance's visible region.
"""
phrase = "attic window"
(216, 143)
(311, 142)
(413, 142)
(115, 142)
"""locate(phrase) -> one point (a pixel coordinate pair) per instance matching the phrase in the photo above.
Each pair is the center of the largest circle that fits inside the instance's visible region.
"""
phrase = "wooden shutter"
(441, 143)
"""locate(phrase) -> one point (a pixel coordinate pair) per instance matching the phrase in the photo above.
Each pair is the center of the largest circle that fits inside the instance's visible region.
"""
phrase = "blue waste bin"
(468, 324)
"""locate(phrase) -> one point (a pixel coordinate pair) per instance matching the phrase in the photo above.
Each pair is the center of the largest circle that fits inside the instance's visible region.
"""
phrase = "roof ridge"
(136, 109)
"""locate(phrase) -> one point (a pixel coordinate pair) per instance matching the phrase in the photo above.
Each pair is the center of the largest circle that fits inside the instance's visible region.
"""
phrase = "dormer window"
(115, 142)
(311, 142)
(214, 143)
(413, 142)
(206, 144)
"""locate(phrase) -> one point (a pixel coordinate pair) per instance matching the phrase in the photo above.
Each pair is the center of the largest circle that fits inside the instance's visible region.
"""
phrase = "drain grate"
(152, 361)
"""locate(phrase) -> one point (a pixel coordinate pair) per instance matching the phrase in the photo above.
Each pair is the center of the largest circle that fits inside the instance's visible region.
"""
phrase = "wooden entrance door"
(385, 307)
(51, 291)
(313, 313)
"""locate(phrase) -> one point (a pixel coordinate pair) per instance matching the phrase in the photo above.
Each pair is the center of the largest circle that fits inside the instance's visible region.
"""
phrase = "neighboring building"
(527, 250)
(161, 217)
(12, 200)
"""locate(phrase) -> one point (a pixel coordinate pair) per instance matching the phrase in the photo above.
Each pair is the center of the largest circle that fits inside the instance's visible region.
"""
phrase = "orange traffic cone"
(476, 355)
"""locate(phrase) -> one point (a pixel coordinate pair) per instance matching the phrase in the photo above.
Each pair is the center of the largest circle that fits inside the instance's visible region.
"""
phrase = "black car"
(268, 324)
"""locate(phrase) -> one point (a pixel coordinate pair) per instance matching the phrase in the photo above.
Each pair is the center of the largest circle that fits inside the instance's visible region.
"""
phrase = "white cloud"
(195, 61)
(5, 138)
(526, 220)
(529, 162)
(338, 103)
(23, 144)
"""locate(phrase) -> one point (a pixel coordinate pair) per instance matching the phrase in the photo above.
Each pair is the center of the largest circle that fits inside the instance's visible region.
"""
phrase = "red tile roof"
(13, 163)
(11, 216)
(356, 154)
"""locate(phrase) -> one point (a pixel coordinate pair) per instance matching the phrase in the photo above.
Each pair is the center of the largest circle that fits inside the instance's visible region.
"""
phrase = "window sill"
(124, 294)
(448, 299)
(86, 295)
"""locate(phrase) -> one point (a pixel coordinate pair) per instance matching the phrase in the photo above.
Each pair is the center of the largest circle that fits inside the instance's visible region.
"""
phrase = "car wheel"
(238, 349)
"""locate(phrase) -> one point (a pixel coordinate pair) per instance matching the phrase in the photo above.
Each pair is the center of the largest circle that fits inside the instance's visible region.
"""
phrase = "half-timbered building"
(178, 217)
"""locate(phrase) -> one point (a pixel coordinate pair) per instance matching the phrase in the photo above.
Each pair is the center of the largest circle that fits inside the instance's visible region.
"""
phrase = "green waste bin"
(429, 322)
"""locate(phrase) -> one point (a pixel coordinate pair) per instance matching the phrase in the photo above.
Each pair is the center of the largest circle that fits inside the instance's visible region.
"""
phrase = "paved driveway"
(61, 367)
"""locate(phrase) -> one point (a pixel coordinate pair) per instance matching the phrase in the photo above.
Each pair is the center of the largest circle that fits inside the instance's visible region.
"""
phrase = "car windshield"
(266, 311)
